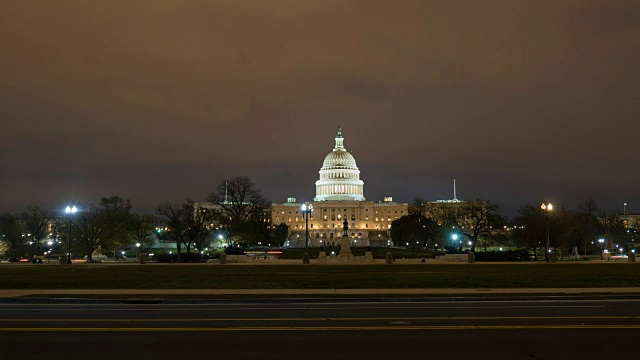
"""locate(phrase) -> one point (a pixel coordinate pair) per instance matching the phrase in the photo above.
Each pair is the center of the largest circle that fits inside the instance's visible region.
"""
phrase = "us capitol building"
(339, 196)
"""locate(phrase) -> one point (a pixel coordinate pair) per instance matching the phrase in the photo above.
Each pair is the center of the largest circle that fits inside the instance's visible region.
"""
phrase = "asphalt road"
(327, 329)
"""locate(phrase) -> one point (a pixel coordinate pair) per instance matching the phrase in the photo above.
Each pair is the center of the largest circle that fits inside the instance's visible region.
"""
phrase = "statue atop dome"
(339, 140)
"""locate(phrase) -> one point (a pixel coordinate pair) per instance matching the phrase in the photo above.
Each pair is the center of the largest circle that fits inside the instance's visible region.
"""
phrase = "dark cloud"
(158, 100)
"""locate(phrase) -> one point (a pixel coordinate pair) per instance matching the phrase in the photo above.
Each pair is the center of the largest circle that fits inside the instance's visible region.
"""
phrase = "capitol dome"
(339, 175)
(339, 160)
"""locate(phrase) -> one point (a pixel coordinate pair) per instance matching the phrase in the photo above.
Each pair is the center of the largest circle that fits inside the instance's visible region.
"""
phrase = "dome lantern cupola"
(339, 140)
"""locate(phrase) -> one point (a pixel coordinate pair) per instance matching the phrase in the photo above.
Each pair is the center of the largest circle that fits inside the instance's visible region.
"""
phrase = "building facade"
(339, 197)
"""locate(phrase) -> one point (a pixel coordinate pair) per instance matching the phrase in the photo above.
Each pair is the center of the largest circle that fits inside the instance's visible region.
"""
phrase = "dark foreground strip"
(327, 328)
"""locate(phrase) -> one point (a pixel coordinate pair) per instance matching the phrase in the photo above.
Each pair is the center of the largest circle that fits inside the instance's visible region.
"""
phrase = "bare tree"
(174, 216)
(529, 228)
(11, 235)
(142, 230)
(588, 218)
(89, 230)
(101, 227)
(476, 220)
(187, 225)
(612, 227)
(36, 222)
(199, 229)
(241, 205)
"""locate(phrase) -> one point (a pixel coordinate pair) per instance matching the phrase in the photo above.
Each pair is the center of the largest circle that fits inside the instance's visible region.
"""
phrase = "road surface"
(324, 329)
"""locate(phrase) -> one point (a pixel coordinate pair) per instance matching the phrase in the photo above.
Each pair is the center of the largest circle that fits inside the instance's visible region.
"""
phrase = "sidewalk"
(191, 292)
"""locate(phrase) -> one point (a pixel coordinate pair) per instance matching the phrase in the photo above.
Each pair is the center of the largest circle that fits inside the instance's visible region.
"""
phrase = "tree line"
(582, 230)
(240, 213)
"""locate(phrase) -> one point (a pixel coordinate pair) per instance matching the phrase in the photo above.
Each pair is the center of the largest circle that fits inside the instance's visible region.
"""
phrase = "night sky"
(157, 100)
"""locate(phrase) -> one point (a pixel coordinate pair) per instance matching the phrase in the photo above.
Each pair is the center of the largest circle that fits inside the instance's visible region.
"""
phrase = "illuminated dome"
(339, 175)
(340, 159)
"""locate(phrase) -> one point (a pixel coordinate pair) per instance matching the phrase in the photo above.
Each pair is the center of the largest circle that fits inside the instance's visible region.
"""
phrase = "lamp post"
(69, 211)
(306, 210)
(601, 241)
(546, 208)
(138, 247)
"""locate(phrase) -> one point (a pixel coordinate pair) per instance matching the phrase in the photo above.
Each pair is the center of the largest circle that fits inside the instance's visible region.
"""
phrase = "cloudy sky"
(157, 100)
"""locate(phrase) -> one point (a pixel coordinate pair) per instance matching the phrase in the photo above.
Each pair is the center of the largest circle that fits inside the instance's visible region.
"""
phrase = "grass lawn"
(207, 276)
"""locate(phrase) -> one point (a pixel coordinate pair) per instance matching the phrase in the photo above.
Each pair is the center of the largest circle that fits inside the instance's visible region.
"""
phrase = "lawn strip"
(208, 276)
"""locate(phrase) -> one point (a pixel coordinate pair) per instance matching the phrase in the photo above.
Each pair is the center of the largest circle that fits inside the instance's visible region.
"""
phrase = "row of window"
(345, 210)
(366, 226)
(333, 218)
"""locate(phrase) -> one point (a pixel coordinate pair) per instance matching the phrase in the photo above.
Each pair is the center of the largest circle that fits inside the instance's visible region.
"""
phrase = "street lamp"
(306, 210)
(546, 208)
(69, 211)
(138, 246)
(601, 241)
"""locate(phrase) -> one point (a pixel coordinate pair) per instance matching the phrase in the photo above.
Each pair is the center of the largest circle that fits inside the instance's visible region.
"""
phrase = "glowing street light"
(70, 211)
(306, 210)
(546, 208)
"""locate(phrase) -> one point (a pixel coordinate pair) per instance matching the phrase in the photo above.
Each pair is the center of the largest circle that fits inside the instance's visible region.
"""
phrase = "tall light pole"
(546, 208)
(49, 243)
(306, 210)
(601, 241)
(69, 211)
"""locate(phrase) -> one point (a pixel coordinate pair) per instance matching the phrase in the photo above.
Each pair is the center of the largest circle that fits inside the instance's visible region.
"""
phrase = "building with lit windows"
(339, 196)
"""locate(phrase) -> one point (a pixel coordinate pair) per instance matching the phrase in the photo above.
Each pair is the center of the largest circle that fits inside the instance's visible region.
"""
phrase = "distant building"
(631, 221)
(339, 197)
